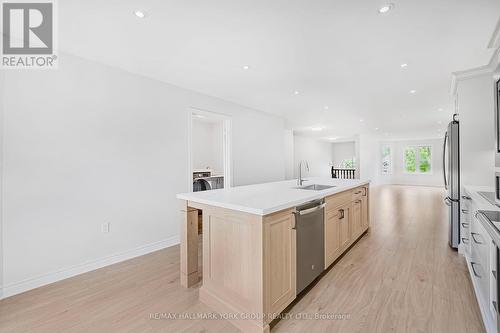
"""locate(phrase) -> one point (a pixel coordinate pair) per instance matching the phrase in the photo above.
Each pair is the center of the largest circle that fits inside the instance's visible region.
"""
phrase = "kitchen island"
(249, 243)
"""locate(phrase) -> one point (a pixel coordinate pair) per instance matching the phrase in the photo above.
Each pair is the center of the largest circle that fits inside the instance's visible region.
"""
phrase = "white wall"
(367, 157)
(342, 151)
(317, 153)
(477, 126)
(399, 176)
(289, 153)
(208, 146)
(87, 144)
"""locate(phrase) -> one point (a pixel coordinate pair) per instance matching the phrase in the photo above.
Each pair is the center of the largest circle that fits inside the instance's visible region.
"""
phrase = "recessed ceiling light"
(386, 8)
(316, 129)
(296, 92)
(404, 65)
(140, 14)
(361, 120)
(246, 67)
(413, 91)
(325, 107)
(440, 109)
(376, 128)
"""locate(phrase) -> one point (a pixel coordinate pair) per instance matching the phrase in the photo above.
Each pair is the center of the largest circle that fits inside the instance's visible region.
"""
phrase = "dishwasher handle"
(310, 210)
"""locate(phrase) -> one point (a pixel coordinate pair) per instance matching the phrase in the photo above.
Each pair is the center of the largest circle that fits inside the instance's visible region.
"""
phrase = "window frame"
(391, 161)
(417, 160)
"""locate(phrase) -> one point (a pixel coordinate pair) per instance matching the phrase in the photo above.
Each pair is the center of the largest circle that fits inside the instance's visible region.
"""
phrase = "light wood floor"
(401, 276)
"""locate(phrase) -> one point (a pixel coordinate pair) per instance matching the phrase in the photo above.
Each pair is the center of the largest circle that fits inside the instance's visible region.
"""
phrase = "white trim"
(488, 69)
(42, 280)
(227, 148)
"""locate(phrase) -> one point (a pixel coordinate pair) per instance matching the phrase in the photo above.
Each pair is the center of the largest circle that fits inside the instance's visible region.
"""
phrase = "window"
(418, 159)
(386, 160)
(349, 163)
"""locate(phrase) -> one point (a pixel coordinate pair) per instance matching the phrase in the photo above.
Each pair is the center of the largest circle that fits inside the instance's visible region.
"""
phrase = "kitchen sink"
(315, 187)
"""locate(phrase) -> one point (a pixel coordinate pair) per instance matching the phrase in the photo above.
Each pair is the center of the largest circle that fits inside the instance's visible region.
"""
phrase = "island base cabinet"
(346, 219)
(233, 271)
(279, 261)
(249, 265)
(345, 227)
(249, 261)
(357, 219)
(332, 236)
(365, 209)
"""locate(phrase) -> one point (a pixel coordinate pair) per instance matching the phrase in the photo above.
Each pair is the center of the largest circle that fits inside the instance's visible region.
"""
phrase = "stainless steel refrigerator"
(451, 175)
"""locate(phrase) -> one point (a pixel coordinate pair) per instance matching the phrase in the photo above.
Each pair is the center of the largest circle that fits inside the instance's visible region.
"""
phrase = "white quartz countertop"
(267, 198)
(480, 201)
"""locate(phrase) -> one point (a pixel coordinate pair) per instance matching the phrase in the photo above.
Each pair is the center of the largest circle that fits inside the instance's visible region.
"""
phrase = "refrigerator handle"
(444, 161)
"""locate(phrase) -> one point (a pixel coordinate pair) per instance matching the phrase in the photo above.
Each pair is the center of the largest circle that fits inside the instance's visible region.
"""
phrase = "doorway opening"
(209, 151)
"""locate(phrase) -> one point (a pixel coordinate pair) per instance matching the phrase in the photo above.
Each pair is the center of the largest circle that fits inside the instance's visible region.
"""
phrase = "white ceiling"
(340, 54)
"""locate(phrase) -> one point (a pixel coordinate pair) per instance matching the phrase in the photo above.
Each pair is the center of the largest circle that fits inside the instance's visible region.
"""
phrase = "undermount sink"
(315, 187)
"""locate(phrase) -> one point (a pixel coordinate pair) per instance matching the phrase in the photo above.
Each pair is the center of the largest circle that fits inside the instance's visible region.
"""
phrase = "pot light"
(361, 120)
(325, 107)
(386, 8)
(440, 109)
(376, 128)
(316, 129)
(404, 65)
(246, 67)
(140, 14)
(296, 92)
(413, 91)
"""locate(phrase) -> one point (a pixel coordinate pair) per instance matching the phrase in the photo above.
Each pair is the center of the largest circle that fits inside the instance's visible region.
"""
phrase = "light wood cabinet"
(280, 261)
(357, 219)
(365, 210)
(332, 236)
(345, 227)
(249, 261)
(346, 219)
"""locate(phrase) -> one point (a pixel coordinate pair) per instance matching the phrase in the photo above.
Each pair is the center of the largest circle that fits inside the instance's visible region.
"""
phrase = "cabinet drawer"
(338, 199)
(480, 259)
(479, 242)
(357, 193)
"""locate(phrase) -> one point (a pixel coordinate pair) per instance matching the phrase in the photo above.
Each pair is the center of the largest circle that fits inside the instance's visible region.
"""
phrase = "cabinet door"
(344, 227)
(332, 236)
(280, 259)
(365, 219)
(357, 227)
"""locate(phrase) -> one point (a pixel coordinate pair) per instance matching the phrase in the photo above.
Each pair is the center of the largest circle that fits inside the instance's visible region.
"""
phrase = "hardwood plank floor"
(400, 277)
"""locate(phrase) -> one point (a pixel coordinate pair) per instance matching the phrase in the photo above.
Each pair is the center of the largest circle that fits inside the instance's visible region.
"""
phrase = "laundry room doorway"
(209, 150)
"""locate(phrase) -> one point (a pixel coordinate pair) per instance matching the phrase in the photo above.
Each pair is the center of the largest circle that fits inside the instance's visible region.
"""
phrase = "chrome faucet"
(299, 179)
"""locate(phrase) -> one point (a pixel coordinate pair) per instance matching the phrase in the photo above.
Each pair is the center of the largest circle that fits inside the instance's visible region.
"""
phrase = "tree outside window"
(418, 159)
(349, 163)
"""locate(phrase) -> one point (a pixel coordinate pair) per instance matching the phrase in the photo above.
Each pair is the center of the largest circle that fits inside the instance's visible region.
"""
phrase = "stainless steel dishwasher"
(310, 231)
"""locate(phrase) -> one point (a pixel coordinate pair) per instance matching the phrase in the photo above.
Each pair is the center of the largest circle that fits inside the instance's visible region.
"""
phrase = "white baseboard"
(42, 280)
